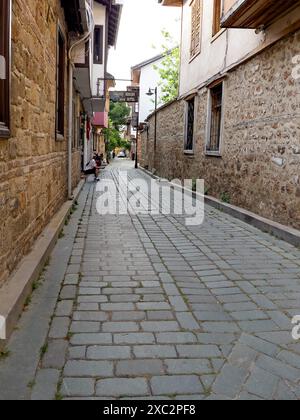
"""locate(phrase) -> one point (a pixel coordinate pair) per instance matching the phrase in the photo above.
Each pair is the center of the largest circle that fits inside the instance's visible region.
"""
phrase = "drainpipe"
(71, 75)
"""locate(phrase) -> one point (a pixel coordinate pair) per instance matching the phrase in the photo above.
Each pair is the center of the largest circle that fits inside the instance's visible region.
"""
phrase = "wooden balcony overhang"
(253, 14)
(172, 3)
(114, 11)
(73, 15)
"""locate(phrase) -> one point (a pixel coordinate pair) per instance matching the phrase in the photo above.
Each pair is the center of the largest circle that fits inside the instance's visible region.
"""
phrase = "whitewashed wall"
(149, 79)
(216, 53)
(98, 70)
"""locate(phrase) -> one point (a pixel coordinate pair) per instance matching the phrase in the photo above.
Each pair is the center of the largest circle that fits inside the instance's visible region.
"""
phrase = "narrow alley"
(144, 307)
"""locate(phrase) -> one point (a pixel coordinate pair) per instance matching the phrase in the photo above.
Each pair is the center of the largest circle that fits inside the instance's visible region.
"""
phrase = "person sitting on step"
(92, 168)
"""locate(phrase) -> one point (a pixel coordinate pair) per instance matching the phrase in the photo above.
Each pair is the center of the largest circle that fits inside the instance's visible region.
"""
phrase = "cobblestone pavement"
(150, 308)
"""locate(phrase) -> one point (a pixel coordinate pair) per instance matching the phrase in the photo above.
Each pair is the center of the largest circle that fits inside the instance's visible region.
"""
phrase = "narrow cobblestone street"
(147, 307)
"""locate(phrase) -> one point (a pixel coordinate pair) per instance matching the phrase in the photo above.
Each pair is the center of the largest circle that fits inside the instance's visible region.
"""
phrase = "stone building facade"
(35, 38)
(33, 170)
(257, 166)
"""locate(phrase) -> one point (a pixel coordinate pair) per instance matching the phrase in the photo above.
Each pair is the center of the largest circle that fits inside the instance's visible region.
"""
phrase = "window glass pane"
(98, 47)
(190, 125)
(216, 118)
(60, 85)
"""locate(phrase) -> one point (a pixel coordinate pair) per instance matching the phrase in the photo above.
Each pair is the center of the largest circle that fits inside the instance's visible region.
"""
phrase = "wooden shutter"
(196, 27)
(217, 17)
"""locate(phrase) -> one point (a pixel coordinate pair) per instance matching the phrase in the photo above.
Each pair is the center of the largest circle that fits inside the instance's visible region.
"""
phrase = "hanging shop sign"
(124, 96)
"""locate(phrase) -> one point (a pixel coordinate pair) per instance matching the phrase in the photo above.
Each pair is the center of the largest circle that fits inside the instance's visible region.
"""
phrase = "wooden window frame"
(208, 149)
(216, 28)
(196, 28)
(98, 60)
(60, 85)
(189, 151)
(5, 53)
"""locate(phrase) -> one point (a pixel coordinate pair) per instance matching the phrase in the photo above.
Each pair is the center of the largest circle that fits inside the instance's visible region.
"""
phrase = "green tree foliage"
(119, 112)
(169, 70)
(114, 138)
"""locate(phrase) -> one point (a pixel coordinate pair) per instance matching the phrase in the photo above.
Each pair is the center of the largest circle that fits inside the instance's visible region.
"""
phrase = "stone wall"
(260, 164)
(33, 165)
(76, 168)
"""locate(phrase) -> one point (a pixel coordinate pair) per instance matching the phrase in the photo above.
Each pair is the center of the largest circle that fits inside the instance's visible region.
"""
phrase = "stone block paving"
(159, 309)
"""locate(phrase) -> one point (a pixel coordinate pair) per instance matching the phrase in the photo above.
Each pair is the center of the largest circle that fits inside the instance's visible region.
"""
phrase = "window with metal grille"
(60, 85)
(98, 45)
(5, 19)
(217, 16)
(196, 24)
(190, 120)
(214, 140)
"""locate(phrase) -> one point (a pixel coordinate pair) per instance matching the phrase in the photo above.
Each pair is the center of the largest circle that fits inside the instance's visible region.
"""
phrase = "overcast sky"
(141, 24)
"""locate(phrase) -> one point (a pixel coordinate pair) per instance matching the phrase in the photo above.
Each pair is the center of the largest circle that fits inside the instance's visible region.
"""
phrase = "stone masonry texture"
(260, 164)
(33, 170)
